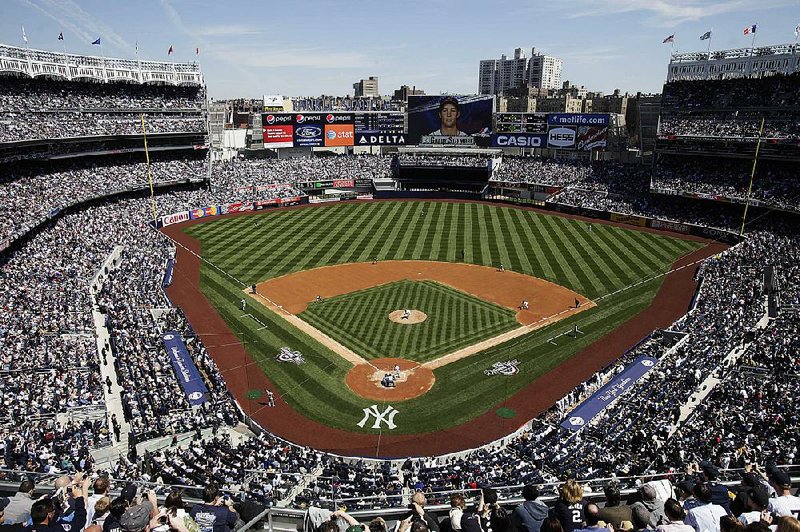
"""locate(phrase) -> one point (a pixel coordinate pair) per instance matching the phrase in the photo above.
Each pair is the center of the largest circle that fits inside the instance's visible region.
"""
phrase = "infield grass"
(602, 262)
(360, 320)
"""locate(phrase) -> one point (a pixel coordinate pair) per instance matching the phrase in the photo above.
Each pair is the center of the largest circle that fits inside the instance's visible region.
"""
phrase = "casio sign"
(561, 137)
(308, 132)
(520, 141)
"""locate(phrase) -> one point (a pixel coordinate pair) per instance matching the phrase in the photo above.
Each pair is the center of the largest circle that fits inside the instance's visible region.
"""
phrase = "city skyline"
(320, 48)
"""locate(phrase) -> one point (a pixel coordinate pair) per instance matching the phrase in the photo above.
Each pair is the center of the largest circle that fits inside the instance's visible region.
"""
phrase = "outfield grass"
(595, 262)
(359, 320)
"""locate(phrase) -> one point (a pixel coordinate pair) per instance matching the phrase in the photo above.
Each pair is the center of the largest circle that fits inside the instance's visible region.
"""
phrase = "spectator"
(614, 512)
(706, 516)
(568, 508)
(18, 510)
(648, 509)
(675, 514)
(216, 513)
(528, 516)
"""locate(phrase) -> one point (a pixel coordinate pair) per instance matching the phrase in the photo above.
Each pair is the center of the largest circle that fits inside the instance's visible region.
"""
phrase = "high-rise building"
(367, 88)
(544, 71)
(497, 76)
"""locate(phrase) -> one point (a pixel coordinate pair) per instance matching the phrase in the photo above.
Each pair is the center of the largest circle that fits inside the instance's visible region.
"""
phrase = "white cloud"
(70, 15)
(228, 30)
(670, 12)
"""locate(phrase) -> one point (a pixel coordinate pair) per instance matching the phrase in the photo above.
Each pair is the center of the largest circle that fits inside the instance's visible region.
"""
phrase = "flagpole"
(753, 42)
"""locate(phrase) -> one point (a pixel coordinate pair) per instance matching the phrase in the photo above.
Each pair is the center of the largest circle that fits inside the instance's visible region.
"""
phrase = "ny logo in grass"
(380, 417)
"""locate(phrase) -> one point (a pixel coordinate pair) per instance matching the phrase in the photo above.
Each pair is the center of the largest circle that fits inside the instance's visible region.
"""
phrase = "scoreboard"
(285, 130)
(520, 123)
(377, 121)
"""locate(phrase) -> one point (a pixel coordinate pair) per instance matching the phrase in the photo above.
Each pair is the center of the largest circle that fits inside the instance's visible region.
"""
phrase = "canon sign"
(561, 137)
(176, 218)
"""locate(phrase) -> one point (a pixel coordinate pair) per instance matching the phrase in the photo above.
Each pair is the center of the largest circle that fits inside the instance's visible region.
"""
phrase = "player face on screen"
(448, 114)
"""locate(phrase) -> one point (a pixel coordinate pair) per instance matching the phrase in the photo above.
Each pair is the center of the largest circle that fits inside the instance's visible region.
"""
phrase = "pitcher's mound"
(414, 380)
(414, 316)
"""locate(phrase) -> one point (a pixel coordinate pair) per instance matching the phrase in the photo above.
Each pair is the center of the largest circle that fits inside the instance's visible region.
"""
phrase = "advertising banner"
(188, 375)
(591, 138)
(168, 271)
(175, 218)
(204, 212)
(273, 102)
(308, 135)
(378, 138)
(629, 219)
(344, 183)
(278, 136)
(449, 120)
(675, 227)
(519, 140)
(561, 137)
(616, 387)
(231, 208)
(577, 119)
(339, 134)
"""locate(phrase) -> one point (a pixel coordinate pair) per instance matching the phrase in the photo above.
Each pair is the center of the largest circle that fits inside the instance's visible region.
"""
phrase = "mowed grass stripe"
(323, 396)
(505, 256)
(365, 326)
(371, 247)
(596, 253)
(567, 275)
(510, 229)
(596, 277)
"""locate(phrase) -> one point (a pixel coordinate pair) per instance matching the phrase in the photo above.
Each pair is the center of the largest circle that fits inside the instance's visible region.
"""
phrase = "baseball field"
(442, 260)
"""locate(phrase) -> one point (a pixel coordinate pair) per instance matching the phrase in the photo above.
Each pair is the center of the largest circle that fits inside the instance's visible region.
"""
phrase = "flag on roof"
(750, 30)
(24, 36)
(169, 52)
(97, 41)
(705, 36)
(671, 38)
(61, 36)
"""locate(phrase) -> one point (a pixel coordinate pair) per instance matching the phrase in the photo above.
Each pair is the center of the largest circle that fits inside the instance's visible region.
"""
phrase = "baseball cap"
(759, 496)
(686, 486)
(136, 518)
(450, 100)
(355, 528)
(709, 469)
(781, 478)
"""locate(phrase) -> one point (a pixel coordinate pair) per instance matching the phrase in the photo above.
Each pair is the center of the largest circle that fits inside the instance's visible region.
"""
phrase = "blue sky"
(312, 47)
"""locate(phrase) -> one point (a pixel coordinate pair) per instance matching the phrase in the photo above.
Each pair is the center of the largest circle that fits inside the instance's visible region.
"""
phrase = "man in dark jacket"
(528, 516)
(614, 512)
(720, 494)
(43, 513)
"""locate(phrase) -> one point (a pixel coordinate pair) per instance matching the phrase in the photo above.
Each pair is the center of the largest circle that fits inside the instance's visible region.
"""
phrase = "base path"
(242, 374)
(546, 301)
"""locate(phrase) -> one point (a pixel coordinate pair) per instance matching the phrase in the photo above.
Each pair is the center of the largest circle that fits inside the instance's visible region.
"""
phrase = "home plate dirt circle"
(415, 316)
(365, 379)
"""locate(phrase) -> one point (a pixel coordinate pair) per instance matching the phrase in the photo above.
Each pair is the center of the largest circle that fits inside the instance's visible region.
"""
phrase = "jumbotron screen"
(452, 120)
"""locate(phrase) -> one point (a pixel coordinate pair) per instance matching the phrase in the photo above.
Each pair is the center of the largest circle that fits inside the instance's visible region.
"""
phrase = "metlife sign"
(561, 137)
(519, 140)
(577, 119)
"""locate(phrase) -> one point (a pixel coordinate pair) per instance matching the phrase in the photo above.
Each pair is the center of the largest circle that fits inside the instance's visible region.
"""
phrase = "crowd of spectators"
(34, 126)
(433, 160)
(605, 176)
(774, 183)
(46, 109)
(775, 92)
(728, 127)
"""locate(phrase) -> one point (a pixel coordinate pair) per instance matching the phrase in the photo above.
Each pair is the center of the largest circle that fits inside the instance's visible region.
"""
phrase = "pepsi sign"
(272, 119)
